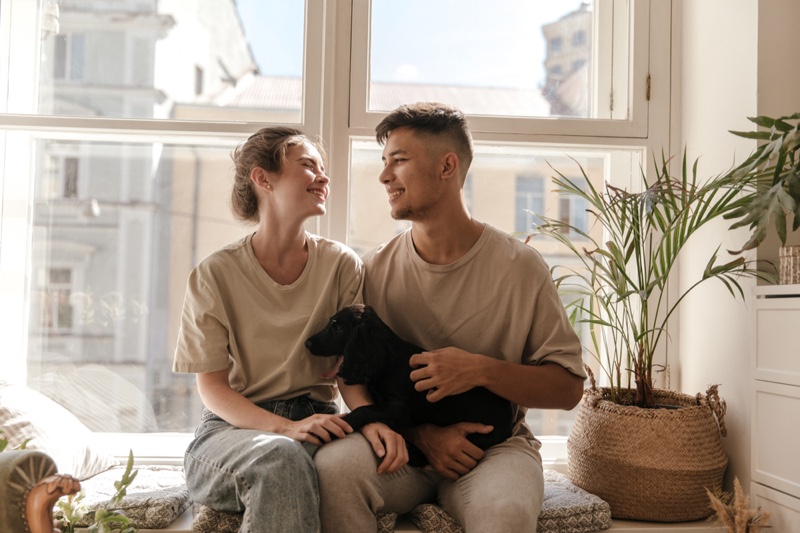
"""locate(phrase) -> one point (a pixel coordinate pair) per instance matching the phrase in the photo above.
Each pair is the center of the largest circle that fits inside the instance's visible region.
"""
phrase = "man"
(486, 307)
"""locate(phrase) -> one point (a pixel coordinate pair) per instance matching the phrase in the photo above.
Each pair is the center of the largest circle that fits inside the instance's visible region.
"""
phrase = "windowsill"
(168, 448)
(148, 448)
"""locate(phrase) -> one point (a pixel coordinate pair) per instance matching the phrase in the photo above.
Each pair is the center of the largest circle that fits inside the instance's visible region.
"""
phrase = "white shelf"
(772, 291)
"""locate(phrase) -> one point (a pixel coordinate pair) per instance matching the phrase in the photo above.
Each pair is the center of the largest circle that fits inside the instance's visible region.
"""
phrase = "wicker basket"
(650, 464)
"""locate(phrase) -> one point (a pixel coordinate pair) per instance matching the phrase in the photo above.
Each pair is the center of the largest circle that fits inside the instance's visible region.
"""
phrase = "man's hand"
(447, 448)
(446, 372)
(388, 445)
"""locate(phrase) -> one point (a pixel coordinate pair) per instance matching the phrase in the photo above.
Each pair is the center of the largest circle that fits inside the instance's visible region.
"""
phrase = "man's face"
(410, 175)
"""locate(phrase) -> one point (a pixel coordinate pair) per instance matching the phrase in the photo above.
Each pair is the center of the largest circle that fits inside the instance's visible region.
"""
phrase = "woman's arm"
(385, 442)
(218, 396)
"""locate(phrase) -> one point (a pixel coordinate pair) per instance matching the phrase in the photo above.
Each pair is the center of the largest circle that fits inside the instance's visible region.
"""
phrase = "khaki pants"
(502, 494)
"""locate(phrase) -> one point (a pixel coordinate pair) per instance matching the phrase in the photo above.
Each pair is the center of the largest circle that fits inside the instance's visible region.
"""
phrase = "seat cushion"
(207, 520)
(566, 509)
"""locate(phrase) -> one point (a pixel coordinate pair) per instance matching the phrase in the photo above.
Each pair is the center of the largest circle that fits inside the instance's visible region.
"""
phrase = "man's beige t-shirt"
(236, 317)
(498, 300)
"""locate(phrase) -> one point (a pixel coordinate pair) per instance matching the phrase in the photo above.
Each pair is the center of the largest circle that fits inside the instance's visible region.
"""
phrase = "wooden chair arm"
(42, 497)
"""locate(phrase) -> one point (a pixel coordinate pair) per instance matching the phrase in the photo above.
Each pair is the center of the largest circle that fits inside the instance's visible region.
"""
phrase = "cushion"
(28, 414)
(207, 520)
(154, 500)
(566, 509)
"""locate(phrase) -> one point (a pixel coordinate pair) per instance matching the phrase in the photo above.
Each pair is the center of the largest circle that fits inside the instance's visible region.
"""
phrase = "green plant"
(4, 443)
(771, 177)
(619, 288)
(106, 519)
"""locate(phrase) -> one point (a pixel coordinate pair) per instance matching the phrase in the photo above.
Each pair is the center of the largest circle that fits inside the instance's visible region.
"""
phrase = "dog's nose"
(308, 344)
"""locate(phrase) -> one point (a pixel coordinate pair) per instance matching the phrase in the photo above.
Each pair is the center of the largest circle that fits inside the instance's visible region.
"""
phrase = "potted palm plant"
(650, 453)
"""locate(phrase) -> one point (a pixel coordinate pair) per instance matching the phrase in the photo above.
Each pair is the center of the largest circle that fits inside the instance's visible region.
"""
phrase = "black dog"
(371, 353)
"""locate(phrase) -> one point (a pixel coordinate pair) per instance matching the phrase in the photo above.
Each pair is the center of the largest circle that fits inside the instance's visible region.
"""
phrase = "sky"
(495, 43)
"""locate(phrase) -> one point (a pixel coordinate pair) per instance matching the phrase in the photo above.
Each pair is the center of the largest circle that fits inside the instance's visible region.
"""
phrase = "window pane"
(177, 59)
(111, 254)
(508, 185)
(529, 199)
(509, 57)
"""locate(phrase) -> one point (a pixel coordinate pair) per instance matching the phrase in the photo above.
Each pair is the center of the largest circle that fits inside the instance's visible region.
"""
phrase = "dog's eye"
(337, 328)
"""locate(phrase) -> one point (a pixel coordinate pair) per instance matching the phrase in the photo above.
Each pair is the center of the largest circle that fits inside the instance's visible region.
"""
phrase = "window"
(70, 177)
(146, 215)
(56, 312)
(69, 57)
(198, 81)
(130, 59)
(115, 204)
(117, 135)
(489, 62)
(529, 201)
(572, 209)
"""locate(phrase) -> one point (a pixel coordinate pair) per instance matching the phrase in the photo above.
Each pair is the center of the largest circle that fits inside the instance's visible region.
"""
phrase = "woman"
(248, 310)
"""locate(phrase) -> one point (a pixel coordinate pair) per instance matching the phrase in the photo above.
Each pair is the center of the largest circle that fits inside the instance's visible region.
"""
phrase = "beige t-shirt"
(498, 300)
(236, 317)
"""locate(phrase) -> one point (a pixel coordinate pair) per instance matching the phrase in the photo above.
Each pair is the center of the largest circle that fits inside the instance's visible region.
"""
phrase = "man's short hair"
(434, 119)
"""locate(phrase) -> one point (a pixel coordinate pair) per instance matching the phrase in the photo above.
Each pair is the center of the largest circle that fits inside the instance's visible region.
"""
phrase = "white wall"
(724, 62)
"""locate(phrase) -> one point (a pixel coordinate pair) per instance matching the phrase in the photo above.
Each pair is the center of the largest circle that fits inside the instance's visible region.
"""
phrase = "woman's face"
(301, 186)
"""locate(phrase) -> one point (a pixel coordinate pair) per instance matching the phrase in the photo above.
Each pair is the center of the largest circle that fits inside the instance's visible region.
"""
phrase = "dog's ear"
(361, 352)
(379, 331)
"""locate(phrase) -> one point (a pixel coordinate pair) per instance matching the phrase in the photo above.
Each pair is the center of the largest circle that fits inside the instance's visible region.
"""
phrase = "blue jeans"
(270, 477)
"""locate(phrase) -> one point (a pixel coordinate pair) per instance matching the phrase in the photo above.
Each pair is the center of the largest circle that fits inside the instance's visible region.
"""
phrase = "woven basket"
(650, 464)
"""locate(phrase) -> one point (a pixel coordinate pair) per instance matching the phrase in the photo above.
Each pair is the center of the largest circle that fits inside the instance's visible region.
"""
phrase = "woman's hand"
(317, 429)
(388, 445)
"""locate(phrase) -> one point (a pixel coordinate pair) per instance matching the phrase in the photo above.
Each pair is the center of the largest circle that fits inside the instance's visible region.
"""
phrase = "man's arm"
(451, 371)
(447, 449)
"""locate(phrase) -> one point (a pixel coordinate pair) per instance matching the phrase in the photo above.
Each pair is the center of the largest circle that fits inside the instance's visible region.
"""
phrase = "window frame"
(635, 92)
(335, 80)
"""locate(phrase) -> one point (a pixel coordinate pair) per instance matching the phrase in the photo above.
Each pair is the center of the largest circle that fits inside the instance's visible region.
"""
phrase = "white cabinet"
(775, 408)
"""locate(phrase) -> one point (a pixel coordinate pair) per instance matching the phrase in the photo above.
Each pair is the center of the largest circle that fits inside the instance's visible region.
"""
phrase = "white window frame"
(612, 76)
(334, 107)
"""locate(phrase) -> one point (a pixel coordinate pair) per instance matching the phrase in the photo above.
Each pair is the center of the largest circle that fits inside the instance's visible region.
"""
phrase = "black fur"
(374, 355)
